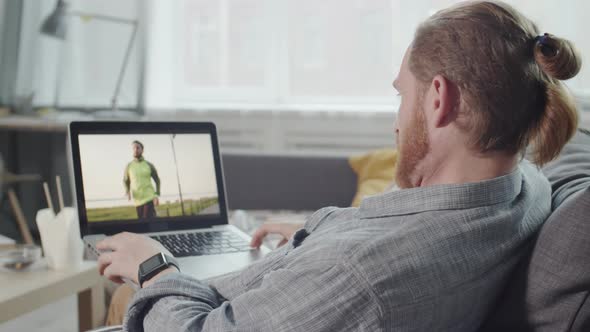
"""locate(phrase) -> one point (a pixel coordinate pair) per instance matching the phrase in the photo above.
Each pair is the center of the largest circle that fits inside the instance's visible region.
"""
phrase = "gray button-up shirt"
(423, 259)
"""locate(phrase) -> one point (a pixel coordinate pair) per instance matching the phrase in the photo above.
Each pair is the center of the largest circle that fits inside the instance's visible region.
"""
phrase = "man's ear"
(444, 101)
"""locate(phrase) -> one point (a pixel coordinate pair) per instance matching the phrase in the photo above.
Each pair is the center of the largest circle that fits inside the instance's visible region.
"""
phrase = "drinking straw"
(48, 196)
(60, 195)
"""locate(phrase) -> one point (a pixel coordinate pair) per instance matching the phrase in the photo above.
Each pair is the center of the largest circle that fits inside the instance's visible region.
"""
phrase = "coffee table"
(22, 292)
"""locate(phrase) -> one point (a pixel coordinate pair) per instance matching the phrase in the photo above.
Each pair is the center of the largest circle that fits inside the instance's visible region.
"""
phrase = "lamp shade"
(55, 24)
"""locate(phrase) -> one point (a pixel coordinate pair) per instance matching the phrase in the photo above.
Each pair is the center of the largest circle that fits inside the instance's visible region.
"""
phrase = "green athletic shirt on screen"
(137, 181)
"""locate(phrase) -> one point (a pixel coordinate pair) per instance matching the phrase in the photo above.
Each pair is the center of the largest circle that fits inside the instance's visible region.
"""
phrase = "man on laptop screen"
(138, 182)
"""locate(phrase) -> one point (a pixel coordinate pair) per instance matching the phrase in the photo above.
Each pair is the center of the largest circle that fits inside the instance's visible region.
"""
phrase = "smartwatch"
(154, 265)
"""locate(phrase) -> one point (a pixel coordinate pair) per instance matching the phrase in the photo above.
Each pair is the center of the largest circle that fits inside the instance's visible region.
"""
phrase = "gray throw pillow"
(550, 288)
(570, 173)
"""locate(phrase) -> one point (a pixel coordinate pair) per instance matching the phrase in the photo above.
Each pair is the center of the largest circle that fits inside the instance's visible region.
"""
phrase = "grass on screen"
(165, 209)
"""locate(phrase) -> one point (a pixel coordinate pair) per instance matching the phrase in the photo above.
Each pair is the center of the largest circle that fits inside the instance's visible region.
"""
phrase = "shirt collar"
(138, 159)
(443, 197)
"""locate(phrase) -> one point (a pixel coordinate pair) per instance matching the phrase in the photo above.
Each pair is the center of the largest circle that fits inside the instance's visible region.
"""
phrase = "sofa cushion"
(549, 290)
(375, 173)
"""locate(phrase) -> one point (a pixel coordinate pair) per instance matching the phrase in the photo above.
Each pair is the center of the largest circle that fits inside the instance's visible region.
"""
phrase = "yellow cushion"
(375, 172)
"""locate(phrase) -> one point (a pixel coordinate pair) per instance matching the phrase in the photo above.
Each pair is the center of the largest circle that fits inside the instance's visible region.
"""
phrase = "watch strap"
(166, 262)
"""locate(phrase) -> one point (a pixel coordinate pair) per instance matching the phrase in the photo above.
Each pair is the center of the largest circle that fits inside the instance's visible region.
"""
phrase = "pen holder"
(60, 238)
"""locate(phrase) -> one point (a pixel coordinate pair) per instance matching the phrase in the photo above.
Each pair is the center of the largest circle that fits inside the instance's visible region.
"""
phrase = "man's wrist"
(170, 269)
(152, 268)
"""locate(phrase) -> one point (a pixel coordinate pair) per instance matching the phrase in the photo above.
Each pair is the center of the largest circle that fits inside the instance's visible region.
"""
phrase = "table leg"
(91, 307)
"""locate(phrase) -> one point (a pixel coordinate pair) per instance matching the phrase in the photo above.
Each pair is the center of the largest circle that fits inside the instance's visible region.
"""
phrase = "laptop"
(161, 179)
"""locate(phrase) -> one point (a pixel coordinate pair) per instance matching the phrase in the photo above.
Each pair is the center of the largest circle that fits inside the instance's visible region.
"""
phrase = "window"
(247, 54)
(303, 54)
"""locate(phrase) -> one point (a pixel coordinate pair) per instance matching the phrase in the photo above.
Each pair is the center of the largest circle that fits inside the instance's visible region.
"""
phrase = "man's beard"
(412, 148)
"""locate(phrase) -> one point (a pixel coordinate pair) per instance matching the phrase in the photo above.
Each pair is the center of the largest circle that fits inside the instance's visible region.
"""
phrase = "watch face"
(151, 264)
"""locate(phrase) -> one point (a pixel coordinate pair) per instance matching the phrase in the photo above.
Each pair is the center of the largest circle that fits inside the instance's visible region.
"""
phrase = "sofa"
(548, 291)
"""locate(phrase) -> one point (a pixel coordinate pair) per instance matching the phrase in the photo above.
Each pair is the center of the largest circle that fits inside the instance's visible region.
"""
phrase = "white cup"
(60, 238)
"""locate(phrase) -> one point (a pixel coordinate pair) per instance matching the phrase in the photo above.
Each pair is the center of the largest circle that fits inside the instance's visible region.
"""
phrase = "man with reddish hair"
(478, 85)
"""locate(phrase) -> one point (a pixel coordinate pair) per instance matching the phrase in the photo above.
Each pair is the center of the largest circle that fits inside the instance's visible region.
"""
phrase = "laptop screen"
(143, 177)
(147, 176)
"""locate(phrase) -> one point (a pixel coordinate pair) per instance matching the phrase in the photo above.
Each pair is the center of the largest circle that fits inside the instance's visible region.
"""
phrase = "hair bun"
(557, 57)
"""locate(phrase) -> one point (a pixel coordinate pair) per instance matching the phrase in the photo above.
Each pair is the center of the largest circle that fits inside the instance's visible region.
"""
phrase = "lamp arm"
(113, 19)
(114, 105)
(104, 17)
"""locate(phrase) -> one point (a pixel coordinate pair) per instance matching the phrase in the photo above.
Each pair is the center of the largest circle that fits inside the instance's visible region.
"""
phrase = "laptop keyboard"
(202, 243)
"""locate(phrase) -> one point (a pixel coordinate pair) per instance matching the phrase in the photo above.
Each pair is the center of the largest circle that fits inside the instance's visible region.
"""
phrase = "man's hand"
(156, 201)
(286, 230)
(128, 251)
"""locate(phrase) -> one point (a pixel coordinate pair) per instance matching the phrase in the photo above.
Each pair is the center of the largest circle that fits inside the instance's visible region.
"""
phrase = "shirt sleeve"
(320, 298)
(155, 177)
(126, 181)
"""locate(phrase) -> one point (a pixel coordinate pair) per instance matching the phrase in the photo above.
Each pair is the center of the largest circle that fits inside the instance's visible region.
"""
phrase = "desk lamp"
(55, 25)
